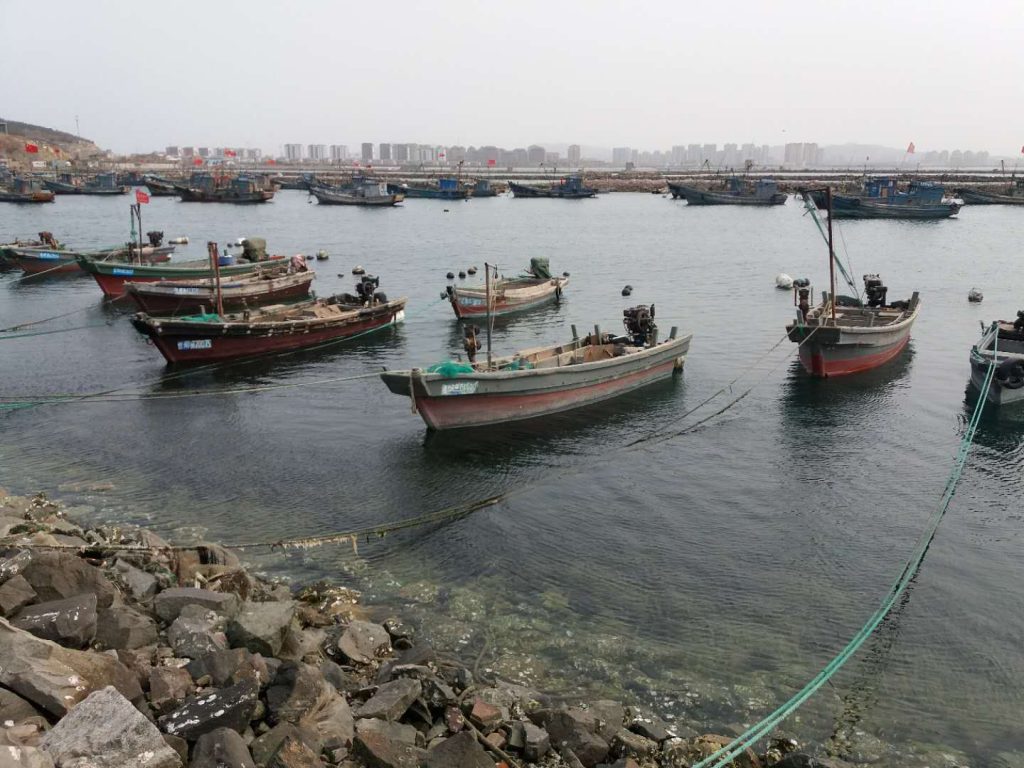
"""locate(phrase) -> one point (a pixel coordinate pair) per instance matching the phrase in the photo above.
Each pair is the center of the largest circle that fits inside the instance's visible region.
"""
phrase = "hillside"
(53, 144)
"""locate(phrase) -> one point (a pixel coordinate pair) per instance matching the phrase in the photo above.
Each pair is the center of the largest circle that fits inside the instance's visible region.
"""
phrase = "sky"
(142, 75)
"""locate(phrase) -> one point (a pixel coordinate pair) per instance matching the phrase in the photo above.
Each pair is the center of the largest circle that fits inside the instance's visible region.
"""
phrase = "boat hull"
(158, 298)
(324, 197)
(39, 260)
(859, 208)
(695, 196)
(472, 303)
(183, 342)
(1001, 390)
(978, 197)
(483, 399)
(199, 196)
(111, 276)
(523, 190)
(26, 197)
(828, 351)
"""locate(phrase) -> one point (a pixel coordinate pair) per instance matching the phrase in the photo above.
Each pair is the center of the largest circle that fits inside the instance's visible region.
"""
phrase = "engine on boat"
(366, 293)
(874, 291)
(470, 342)
(1018, 324)
(639, 323)
(156, 238)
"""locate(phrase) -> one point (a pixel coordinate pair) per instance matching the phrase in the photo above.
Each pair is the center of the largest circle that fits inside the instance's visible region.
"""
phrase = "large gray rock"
(295, 754)
(55, 678)
(230, 708)
(297, 690)
(70, 622)
(56, 576)
(538, 742)
(566, 730)
(15, 594)
(406, 734)
(140, 584)
(192, 637)
(261, 627)
(391, 699)
(343, 680)
(15, 564)
(458, 751)
(169, 603)
(221, 748)
(124, 628)
(364, 641)
(378, 751)
(107, 730)
(333, 722)
(229, 667)
(611, 716)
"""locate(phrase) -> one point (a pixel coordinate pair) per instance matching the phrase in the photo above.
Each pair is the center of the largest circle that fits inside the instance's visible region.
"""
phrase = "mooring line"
(761, 729)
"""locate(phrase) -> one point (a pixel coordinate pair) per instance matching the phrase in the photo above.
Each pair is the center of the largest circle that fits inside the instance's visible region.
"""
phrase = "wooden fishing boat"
(843, 336)
(101, 184)
(447, 188)
(363, 192)
(507, 295)
(542, 381)
(22, 190)
(736, 191)
(112, 276)
(1011, 194)
(159, 187)
(274, 285)
(881, 198)
(484, 188)
(569, 188)
(1002, 343)
(207, 338)
(38, 259)
(207, 188)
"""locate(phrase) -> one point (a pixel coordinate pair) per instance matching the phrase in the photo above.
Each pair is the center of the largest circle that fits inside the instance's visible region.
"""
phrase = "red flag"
(1022, 150)
(910, 148)
(141, 197)
(492, 161)
(197, 161)
(56, 150)
(271, 161)
(230, 153)
(32, 149)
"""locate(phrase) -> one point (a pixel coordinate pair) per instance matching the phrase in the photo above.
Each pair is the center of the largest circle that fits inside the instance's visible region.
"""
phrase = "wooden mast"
(211, 248)
(831, 253)
(487, 283)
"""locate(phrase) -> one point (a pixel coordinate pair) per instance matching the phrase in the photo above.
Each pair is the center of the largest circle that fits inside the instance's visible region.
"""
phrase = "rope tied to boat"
(762, 728)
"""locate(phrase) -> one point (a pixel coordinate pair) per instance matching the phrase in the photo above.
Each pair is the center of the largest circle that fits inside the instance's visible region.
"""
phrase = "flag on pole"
(271, 161)
(31, 148)
(230, 153)
(141, 197)
(910, 148)
(197, 161)
(492, 161)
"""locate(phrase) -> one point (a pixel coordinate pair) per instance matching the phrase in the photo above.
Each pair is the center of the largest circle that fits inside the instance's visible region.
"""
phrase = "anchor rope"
(759, 730)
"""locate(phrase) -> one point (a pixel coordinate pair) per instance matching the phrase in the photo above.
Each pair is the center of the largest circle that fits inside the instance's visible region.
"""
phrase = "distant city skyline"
(458, 72)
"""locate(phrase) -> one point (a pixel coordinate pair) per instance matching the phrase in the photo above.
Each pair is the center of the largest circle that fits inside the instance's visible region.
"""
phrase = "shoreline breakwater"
(118, 649)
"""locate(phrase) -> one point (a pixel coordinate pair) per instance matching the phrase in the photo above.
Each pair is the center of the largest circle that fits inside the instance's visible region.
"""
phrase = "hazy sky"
(144, 74)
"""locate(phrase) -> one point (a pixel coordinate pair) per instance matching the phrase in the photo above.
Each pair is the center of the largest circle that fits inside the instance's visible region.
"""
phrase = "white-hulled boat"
(1003, 343)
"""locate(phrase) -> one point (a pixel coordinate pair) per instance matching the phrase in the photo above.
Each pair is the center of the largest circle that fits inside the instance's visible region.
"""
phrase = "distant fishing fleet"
(228, 307)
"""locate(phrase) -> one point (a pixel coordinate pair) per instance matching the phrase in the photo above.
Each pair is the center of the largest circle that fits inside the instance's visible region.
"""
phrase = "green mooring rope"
(761, 729)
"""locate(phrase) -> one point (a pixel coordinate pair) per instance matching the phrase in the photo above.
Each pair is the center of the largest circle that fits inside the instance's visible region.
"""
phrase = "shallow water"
(710, 574)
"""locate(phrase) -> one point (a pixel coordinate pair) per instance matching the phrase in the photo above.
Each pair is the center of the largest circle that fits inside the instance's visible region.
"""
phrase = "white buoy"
(239, 241)
(178, 241)
(974, 295)
(783, 281)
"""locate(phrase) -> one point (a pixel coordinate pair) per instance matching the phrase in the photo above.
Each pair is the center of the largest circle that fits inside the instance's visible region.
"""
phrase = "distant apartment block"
(534, 154)
(621, 155)
(316, 153)
(172, 152)
(204, 151)
(293, 153)
(367, 151)
(384, 152)
(574, 155)
(339, 152)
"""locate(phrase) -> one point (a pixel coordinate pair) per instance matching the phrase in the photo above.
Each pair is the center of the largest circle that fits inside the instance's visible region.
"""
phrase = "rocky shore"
(119, 650)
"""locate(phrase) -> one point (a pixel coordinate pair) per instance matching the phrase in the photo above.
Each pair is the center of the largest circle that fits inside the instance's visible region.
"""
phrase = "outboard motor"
(365, 288)
(803, 301)
(874, 291)
(155, 238)
(47, 239)
(1018, 324)
(471, 343)
(639, 324)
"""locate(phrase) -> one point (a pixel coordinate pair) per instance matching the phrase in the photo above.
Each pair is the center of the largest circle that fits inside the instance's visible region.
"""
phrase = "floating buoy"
(565, 274)
(321, 256)
(178, 241)
(471, 270)
(358, 270)
(462, 275)
(446, 210)
(239, 241)
(451, 275)
(974, 295)
(783, 281)
(627, 290)
(801, 282)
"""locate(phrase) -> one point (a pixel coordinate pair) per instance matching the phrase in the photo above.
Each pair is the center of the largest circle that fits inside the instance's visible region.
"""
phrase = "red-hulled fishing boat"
(112, 276)
(504, 296)
(207, 338)
(269, 285)
(844, 335)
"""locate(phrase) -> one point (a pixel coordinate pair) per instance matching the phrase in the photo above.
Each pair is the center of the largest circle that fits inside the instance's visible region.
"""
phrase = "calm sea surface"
(709, 575)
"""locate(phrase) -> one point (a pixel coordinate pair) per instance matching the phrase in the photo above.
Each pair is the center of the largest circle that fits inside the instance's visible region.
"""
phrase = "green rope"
(758, 731)
(813, 210)
(6, 336)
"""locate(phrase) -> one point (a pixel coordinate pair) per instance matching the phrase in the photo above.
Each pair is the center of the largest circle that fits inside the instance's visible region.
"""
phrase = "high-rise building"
(293, 153)
(622, 155)
(385, 152)
(316, 153)
(551, 158)
(678, 155)
(339, 152)
(534, 154)
(172, 152)
(204, 151)
(400, 153)
(574, 155)
(253, 154)
(367, 151)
